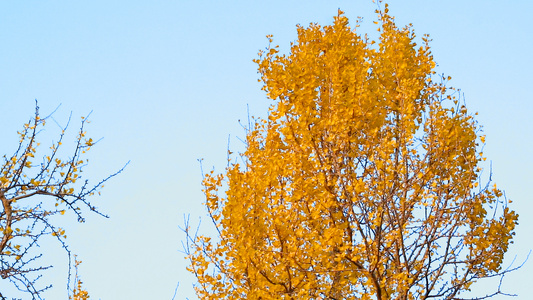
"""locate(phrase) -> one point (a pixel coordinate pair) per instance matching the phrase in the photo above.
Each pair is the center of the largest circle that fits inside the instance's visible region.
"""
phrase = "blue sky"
(167, 82)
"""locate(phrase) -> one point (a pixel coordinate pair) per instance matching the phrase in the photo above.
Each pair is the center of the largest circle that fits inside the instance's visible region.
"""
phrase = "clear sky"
(167, 82)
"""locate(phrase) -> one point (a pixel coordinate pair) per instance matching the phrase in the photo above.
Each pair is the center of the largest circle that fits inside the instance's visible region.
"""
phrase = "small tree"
(362, 183)
(33, 195)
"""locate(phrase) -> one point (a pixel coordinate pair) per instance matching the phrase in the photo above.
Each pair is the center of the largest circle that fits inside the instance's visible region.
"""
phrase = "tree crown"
(362, 182)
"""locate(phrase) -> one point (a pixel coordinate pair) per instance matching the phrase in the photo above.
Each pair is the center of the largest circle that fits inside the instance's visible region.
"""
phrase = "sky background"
(167, 82)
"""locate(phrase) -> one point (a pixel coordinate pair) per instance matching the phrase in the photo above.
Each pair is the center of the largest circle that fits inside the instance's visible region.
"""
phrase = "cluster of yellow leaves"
(78, 292)
(360, 184)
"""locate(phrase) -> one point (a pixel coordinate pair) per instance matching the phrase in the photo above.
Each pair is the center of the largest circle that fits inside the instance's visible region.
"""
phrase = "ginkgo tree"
(37, 187)
(364, 181)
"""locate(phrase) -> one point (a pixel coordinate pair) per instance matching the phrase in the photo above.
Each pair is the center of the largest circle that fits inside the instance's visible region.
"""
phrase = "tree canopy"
(34, 193)
(364, 181)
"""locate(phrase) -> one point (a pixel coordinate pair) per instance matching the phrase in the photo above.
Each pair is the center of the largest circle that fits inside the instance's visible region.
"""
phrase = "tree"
(362, 183)
(34, 195)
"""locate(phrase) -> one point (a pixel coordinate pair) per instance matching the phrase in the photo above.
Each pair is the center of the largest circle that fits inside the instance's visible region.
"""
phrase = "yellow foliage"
(358, 185)
(78, 292)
